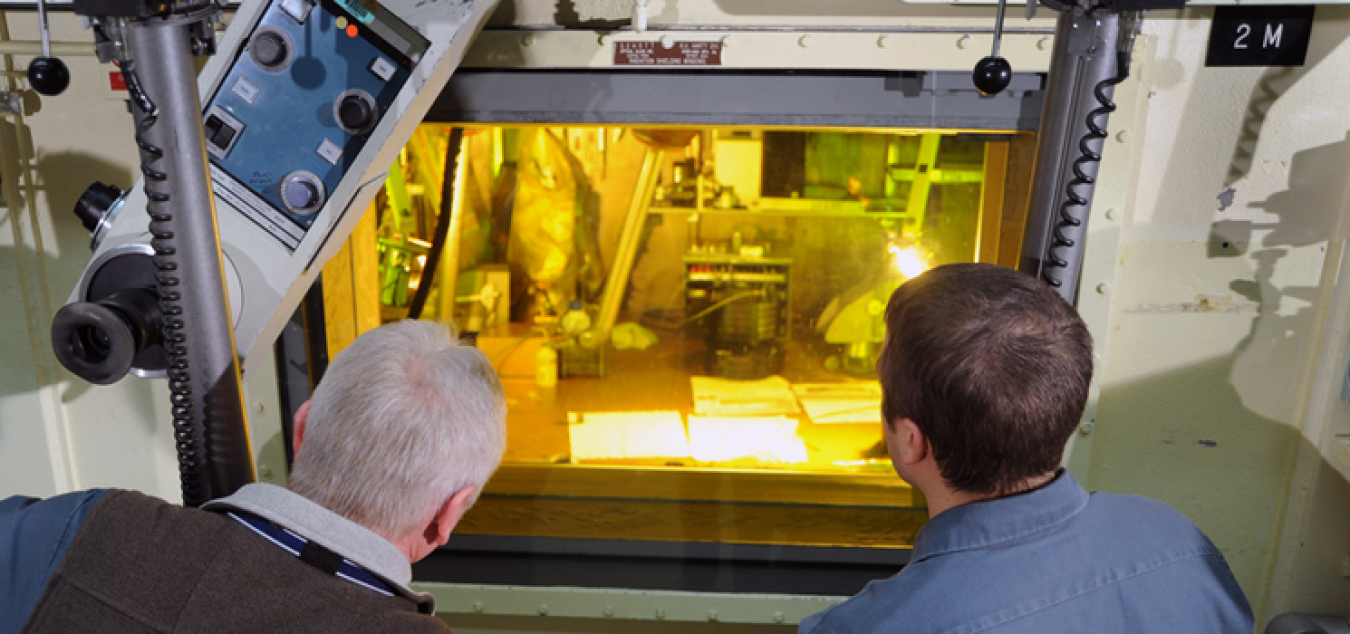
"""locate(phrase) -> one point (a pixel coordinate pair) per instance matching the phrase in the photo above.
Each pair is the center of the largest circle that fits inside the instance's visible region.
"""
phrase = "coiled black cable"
(187, 437)
(1096, 132)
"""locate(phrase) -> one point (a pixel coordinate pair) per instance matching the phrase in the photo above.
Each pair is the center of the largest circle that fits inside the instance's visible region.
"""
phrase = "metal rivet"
(883, 41)
(528, 40)
(779, 617)
(712, 615)
(727, 40)
(1042, 43)
(543, 609)
(259, 407)
(609, 611)
(265, 471)
(1122, 136)
(660, 615)
(804, 41)
(1103, 288)
(1112, 214)
(477, 606)
(1085, 428)
(604, 39)
(667, 41)
(961, 41)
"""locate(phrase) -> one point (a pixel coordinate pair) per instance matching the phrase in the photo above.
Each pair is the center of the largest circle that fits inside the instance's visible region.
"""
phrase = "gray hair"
(404, 417)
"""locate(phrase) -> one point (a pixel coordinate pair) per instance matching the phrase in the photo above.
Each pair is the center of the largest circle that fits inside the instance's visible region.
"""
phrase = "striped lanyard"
(312, 553)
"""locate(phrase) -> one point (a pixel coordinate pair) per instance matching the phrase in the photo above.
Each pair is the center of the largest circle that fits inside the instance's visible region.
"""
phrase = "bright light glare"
(909, 262)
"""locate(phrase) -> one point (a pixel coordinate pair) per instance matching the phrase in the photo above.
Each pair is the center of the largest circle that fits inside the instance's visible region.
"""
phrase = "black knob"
(94, 203)
(269, 49)
(301, 194)
(992, 75)
(355, 113)
(48, 75)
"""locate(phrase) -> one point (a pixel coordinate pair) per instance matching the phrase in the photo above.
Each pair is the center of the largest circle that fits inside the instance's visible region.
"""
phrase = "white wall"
(1216, 330)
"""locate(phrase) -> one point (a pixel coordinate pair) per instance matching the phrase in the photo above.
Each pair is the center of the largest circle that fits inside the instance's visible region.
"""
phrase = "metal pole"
(166, 72)
(643, 190)
(1084, 57)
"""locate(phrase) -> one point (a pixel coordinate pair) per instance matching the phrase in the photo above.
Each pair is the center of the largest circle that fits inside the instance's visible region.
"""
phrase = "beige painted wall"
(1215, 335)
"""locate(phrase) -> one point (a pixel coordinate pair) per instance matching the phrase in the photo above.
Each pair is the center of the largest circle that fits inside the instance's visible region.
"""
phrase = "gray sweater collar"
(357, 543)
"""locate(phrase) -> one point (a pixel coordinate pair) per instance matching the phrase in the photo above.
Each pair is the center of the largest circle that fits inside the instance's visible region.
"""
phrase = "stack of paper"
(725, 397)
(723, 439)
(625, 435)
(840, 402)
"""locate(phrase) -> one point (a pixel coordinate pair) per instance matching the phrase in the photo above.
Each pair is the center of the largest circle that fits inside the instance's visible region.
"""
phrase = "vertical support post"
(992, 187)
(214, 396)
(916, 209)
(643, 190)
(1084, 60)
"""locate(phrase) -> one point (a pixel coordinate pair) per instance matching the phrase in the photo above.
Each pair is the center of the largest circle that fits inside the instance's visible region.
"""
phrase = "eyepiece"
(98, 341)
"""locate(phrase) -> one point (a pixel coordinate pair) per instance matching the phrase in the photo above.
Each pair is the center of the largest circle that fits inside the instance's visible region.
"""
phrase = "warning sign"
(678, 54)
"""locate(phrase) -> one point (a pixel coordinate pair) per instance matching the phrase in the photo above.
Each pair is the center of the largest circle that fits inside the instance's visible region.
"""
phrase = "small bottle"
(546, 366)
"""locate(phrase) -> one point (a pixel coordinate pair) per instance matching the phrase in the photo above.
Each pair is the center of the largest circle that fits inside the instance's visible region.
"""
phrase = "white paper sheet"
(724, 438)
(626, 435)
(840, 402)
(725, 397)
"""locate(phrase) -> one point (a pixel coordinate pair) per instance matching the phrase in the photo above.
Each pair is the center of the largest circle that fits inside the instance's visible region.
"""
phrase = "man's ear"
(914, 446)
(298, 428)
(445, 520)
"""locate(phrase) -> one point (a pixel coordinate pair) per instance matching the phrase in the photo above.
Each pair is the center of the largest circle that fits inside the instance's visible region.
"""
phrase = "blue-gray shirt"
(1054, 559)
(34, 536)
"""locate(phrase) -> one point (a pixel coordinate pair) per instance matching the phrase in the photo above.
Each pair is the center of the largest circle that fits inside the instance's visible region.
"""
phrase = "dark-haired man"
(984, 376)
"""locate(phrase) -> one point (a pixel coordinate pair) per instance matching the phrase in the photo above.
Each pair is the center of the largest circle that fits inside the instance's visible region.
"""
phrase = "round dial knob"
(301, 194)
(355, 113)
(270, 49)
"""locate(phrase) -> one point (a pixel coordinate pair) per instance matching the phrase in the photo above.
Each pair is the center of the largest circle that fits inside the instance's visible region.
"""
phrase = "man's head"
(992, 367)
(405, 421)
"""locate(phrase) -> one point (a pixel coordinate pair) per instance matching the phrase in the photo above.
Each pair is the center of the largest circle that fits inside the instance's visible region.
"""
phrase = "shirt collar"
(1000, 520)
(324, 527)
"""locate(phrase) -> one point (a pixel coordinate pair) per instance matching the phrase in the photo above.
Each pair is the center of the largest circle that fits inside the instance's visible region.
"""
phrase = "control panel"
(299, 103)
(305, 107)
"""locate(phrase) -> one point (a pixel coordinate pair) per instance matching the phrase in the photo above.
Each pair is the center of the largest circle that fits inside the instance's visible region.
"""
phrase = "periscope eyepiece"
(99, 341)
(117, 327)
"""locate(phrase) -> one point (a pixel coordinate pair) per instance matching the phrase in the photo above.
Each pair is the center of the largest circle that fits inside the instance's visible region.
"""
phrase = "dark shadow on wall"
(56, 271)
(1272, 85)
(1187, 437)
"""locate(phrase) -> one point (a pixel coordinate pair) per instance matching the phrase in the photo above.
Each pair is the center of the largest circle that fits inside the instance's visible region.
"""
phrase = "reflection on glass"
(686, 317)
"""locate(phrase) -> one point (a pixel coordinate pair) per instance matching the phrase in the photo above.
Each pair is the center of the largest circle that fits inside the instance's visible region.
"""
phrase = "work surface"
(843, 494)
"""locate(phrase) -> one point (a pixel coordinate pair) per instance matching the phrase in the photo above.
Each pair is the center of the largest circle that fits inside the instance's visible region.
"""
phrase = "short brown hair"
(992, 366)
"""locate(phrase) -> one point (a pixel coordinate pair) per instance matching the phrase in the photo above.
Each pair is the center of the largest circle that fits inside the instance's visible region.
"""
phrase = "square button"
(223, 137)
(383, 68)
(245, 89)
(330, 151)
(212, 126)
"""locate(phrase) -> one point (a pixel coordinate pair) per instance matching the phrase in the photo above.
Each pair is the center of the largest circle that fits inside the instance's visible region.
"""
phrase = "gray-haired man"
(401, 435)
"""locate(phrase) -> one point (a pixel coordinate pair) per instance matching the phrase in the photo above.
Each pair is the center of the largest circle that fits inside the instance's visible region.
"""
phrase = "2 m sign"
(1272, 35)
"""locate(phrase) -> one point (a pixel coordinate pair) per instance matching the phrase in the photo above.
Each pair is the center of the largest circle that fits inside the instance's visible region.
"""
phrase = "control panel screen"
(299, 103)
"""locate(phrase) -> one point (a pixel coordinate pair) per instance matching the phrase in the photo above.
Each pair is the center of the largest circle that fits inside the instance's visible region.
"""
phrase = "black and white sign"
(1272, 35)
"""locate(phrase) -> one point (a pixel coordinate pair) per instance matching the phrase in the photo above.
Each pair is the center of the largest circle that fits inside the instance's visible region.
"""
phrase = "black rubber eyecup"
(93, 341)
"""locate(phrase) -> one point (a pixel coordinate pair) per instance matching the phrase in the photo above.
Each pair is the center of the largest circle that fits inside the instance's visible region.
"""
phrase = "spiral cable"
(1087, 155)
(187, 440)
